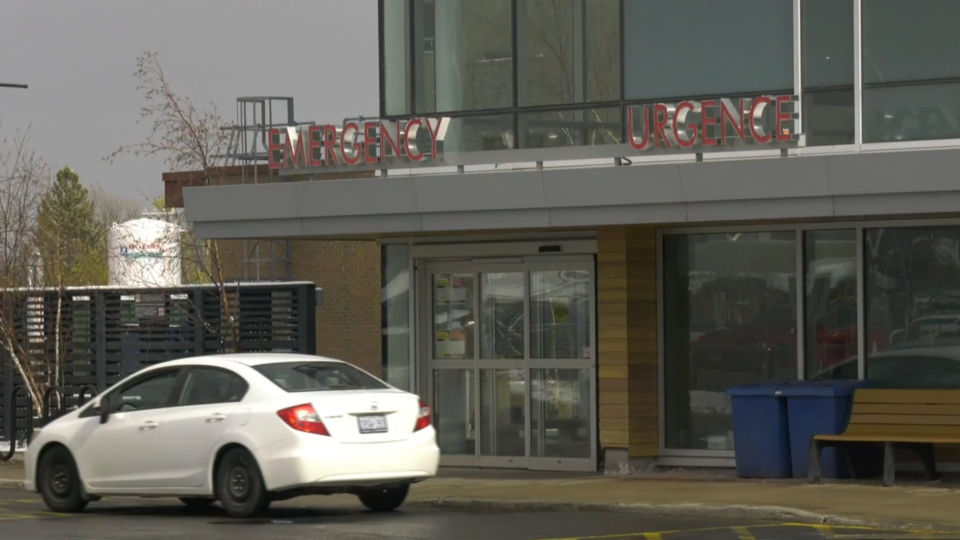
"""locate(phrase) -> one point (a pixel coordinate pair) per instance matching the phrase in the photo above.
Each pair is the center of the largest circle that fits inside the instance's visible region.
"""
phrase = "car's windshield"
(318, 376)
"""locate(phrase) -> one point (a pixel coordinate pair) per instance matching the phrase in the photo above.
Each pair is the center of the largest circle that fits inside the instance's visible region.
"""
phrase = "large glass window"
(911, 42)
(463, 54)
(681, 48)
(730, 318)
(569, 51)
(577, 127)
(395, 315)
(395, 42)
(475, 133)
(913, 306)
(830, 302)
(828, 104)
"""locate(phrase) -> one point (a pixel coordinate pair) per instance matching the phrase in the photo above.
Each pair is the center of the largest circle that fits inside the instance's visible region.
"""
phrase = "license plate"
(374, 423)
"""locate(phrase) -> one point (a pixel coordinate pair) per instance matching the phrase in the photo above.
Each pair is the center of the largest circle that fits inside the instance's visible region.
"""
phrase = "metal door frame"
(424, 358)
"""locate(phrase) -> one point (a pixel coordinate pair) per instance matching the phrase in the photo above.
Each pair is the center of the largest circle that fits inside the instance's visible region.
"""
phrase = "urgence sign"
(713, 122)
(356, 143)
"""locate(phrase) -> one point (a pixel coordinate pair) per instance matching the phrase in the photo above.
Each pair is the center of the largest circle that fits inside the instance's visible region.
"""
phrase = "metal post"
(8, 410)
(198, 339)
(307, 307)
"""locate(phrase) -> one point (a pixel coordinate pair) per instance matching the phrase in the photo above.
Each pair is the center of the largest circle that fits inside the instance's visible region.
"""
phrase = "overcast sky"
(79, 56)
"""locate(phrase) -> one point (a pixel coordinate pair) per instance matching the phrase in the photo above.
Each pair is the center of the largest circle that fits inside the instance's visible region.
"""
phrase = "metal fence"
(103, 335)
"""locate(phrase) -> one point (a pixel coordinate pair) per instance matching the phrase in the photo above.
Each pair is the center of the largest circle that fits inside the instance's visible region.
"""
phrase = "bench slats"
(904, 419)
(907, 408)
(903, 430)
(885, 437)
(882, 396)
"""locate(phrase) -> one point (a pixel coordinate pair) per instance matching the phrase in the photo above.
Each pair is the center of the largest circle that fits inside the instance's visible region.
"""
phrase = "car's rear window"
(318, 376)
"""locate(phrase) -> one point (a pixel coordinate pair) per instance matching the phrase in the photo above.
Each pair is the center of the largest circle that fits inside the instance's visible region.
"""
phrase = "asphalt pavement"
(23, 516)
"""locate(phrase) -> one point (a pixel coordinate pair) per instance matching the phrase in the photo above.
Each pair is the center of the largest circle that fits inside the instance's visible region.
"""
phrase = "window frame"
(110, 395)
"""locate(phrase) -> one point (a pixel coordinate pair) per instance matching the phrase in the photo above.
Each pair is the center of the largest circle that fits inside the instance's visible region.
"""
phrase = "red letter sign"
(272, 147)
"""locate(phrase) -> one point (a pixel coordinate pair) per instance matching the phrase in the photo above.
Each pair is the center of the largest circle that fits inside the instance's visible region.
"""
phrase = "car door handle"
(216, 418)
(148, 425)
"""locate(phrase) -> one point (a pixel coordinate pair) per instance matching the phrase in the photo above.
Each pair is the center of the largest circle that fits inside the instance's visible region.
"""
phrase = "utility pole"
(12, 85)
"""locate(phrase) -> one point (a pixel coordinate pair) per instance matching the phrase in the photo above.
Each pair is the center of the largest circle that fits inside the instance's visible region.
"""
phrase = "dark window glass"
(911, 113)
(828, 108)
(913, 306)
(463, 55)
(679, 48)
(569, 51)
(395, 315)
(730, 318)
(151, 393)
(830, 303)
(318, 376)
(910, 41)
(204, 386)
(580, 127)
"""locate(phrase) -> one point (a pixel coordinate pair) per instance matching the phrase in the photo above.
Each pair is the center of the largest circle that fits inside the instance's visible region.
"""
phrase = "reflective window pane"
(828, 117)
(501, 316)
(569, 51)
(911, 113)
(827, 27)
(730, 318)
(831, 304)
(395, 51)
(560, 413)
(680, 48)
(910, 41)
(476, 133)
(463, 54)
(560, 318)
(913, 306)
(584, 127)
(395, 315)
(454, 411)
(502, 412)
(453, 316)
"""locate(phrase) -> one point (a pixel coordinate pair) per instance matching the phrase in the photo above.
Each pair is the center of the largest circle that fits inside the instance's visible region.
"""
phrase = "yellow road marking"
(829, 531)
(743, 533)
(652, 536)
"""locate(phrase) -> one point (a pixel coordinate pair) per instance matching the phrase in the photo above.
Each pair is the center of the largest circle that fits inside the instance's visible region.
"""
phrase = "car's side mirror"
(103, 409)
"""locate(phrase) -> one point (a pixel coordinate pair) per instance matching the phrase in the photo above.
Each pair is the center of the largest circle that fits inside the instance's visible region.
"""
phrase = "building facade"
(596, 216)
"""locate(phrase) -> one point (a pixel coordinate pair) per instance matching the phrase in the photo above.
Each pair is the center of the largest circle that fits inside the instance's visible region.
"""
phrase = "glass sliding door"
(511, 362)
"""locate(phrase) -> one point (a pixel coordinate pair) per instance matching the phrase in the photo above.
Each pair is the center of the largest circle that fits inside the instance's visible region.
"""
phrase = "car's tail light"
(423, 417)
(304, 418)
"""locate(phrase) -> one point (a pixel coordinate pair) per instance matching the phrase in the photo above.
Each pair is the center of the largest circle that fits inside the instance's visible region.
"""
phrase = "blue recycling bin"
(760, 431)
(818, 408)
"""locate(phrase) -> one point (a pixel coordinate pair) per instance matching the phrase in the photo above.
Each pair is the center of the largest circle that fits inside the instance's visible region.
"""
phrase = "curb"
(765, 513)
(11, 484)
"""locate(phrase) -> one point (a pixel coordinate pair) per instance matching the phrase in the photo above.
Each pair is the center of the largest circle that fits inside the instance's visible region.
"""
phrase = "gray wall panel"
(356, 197)
(820, 207)
(509, 219)
(898, 204)
(362, 225)
(480, 191)
(894, 172)
(592, 186)
(251, 229)
(618, 215)
(251, 201)
(755, 179)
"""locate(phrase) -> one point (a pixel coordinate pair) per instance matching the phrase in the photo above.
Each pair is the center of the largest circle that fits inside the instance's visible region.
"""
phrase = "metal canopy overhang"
(830, 186)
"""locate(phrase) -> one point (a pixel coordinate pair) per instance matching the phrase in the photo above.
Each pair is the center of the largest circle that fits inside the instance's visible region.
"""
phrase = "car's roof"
(250, 359)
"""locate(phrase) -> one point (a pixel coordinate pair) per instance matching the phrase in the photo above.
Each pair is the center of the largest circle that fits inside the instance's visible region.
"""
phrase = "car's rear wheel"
(196, 503)
(59, 482)
(384, 500)
(240, 486)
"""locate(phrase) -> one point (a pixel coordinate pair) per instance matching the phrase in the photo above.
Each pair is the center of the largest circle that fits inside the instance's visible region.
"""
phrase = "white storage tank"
(144, 253)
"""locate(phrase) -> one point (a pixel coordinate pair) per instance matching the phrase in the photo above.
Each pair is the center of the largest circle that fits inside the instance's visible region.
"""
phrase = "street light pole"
(12, 85)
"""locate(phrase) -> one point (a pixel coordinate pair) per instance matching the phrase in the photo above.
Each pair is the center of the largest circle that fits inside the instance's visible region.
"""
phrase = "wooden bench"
(912, 419)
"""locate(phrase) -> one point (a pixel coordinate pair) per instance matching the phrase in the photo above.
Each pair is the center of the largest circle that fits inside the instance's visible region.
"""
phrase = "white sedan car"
(244, 430)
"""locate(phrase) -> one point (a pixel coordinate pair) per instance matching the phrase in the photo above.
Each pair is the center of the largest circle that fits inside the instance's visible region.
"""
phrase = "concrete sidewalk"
(914, 505)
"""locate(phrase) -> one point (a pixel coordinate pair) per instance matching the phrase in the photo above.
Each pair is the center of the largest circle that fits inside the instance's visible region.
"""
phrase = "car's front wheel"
(384, 500)
(59, 482)
(240, 486)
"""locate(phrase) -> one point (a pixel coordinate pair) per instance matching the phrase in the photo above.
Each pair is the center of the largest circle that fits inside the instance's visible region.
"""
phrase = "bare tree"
(191, 139)
(24, 178)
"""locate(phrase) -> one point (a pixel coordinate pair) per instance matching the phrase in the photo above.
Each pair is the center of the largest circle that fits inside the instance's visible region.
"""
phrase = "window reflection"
(560, 319)
(911, 113)
(831, 304)
(586, 127)
(730, 319)
(913, 306)
(395, 315)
